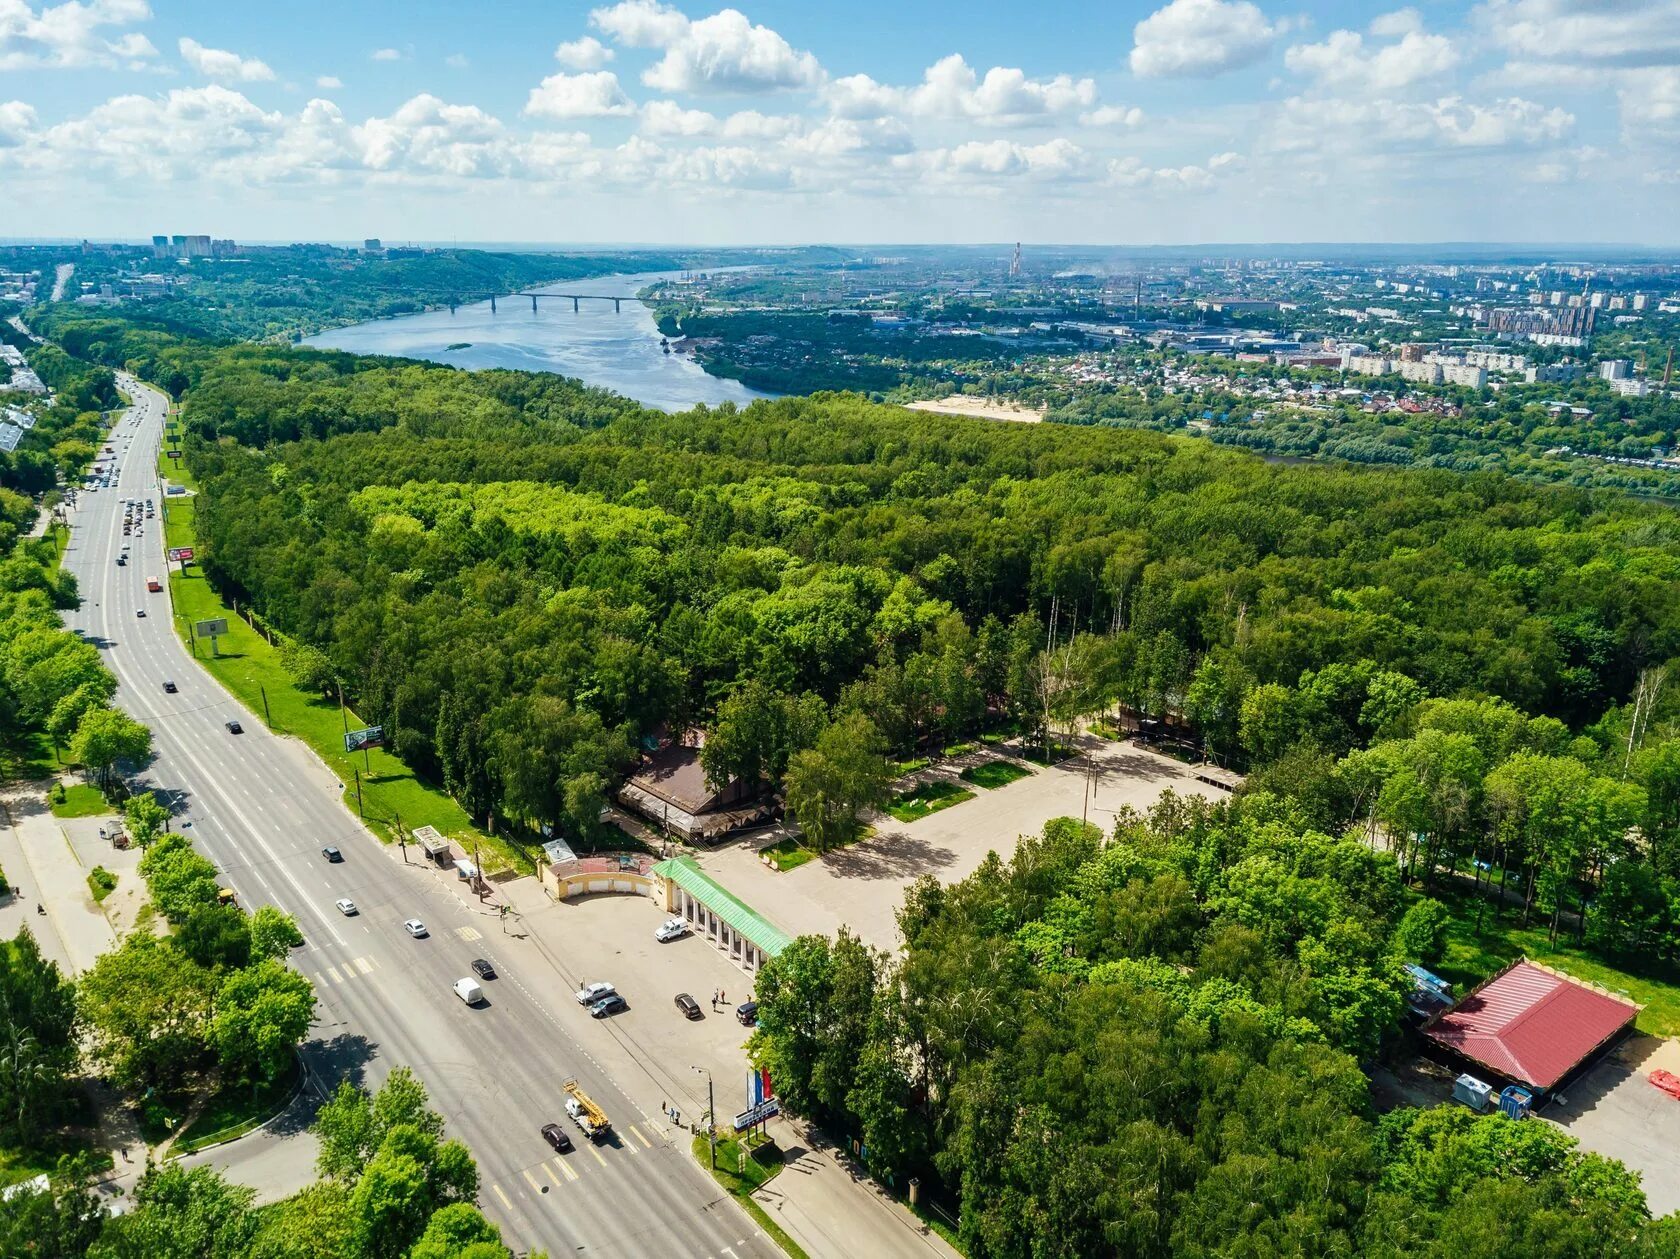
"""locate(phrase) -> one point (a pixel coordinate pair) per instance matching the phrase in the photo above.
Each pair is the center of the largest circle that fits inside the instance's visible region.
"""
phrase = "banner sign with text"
(358, 740)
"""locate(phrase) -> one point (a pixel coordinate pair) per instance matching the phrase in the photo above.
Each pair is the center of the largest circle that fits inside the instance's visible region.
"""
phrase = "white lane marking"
(332, 973)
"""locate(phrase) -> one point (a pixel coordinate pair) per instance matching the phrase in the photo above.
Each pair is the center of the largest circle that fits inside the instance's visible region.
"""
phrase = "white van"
(469, 990)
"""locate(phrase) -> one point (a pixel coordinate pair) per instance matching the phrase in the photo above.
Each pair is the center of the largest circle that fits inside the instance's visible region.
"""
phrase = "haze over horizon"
(1214, 121)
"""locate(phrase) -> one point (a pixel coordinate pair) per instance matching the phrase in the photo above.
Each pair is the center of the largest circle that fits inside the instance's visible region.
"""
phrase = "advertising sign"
(210, 629)
(181, 553)
(757, 1115)
(358, 740)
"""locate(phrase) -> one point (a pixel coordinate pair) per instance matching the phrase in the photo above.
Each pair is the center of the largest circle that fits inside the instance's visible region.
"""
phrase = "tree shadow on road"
(889, 856)
(338, 1058)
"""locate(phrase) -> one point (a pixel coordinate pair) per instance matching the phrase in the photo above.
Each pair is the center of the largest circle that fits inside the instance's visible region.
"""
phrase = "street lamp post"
(711, 1115)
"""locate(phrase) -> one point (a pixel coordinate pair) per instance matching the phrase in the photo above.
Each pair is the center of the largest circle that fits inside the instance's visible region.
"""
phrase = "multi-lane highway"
(262, 808)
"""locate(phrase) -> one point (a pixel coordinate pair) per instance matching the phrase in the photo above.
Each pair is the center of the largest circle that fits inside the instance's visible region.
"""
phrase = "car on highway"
(747, 1013)
(689, 1006)
(482, 968)
(607, 1005)
(414, 927)
(589, 994)
(556, 1136)
(671, 929)
(122, 561)
(332, 854)
(139, 611)
(170, 688)
(233, 727)
(346, 906)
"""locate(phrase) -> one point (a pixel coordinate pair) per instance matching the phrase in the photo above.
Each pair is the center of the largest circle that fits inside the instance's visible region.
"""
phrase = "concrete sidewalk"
(831, 1208)
(73, 931)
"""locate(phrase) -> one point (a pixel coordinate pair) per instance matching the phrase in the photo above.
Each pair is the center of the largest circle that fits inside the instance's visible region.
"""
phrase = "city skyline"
(1216, 121)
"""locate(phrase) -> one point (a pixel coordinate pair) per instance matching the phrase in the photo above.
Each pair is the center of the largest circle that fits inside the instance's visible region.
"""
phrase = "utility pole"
(360, 811)
(268, 720)
(711, 1115)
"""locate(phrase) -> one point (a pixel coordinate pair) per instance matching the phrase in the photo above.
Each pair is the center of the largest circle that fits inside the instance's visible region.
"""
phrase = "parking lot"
(1616, 1111)
(862, 885)
(649, 1048)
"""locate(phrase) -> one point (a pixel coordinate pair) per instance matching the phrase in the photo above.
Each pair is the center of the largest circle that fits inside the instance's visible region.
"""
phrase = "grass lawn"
(1034, 752)
(17, 1166)
(233, 1110)
(26, 755)
(929, 797)
(249, 667)
(995, 773)
(898, 769)
(763, 1162)
(789, 854)
(101, 882)
(960, 749)
(80, 800)
(1472, 956)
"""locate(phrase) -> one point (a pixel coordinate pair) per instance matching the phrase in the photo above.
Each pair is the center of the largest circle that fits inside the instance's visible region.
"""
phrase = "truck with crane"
(589, 1117)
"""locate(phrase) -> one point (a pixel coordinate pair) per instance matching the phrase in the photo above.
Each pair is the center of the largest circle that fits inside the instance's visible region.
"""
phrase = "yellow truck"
(585, 1113)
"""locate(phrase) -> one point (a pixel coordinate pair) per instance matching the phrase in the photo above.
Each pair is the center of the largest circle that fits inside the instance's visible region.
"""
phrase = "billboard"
(210, 629)
(181, 553)
(360, 740)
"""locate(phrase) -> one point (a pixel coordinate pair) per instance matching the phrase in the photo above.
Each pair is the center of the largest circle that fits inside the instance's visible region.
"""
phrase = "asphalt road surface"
(262, 807)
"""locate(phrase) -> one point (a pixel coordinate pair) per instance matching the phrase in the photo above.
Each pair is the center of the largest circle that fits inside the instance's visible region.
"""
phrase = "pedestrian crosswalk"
(543, 1178)
(353, 969)
(469, 934)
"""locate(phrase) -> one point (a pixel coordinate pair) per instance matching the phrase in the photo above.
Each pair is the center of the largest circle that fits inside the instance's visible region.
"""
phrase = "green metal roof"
(686, 873)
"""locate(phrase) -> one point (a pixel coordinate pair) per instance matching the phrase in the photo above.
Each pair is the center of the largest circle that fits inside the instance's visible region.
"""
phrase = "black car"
(611, 1004)
(556, 1136)
(332, 854)
(170, 688)
(747, 1013)
(689, 1006)
(482, 968)
(233, 727)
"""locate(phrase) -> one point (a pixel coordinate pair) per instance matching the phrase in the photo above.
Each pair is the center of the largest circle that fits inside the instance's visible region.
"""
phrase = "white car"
(414, 927)
(346, 906)
(589, 994)
(671, 929)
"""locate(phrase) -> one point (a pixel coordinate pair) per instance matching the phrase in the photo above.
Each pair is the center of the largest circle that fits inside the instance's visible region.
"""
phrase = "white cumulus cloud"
(593, 94)
(1612, 33)
(1343, 60)
(75, 33)
(385, 54)
(667, 118)
(1113, 116)
(327, 82)
(1399, 22)
(1201, 37)
(17, 120)
(950, 88)
(587, 53)
(725, 52)
(224, 66)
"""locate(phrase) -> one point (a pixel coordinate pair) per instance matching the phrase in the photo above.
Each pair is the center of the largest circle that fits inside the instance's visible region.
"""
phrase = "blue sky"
(915, 120)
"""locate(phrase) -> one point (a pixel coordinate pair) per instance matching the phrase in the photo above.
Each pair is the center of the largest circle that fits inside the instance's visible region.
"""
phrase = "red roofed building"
(1531, 1025)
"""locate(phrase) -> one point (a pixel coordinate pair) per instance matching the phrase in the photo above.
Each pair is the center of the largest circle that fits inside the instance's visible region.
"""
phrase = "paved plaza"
(861, 886)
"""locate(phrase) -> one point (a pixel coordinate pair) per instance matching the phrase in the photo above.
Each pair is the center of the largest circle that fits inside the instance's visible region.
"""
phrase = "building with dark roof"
(1531, 1025)
(671, 790)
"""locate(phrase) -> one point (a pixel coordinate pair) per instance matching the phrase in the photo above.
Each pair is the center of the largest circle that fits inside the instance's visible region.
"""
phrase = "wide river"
(618, 351)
